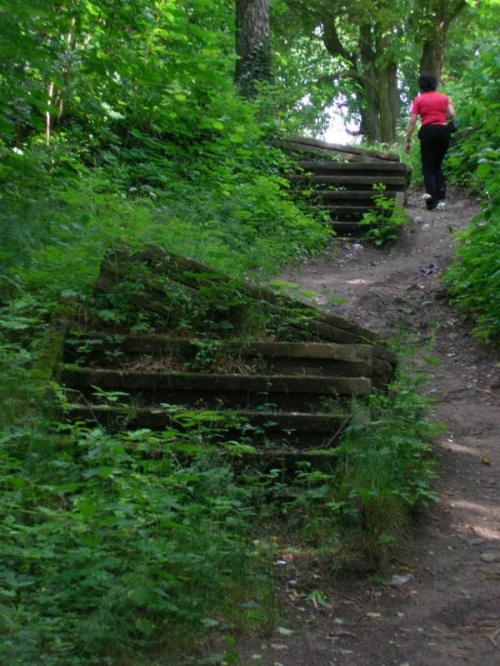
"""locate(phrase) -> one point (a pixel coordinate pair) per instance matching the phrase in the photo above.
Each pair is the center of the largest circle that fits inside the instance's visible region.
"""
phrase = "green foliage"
(385, 220)
(120, 126)
(233, 218)
(474, 279)
(385, 471)
(477, 100)
(111, 544)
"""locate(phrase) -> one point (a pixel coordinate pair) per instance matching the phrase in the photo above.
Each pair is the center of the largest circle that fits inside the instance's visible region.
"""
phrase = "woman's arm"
(409, 130)
(450, 111)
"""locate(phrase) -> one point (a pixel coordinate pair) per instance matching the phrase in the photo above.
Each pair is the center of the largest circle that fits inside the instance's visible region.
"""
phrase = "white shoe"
(426, 196)
(441, 206)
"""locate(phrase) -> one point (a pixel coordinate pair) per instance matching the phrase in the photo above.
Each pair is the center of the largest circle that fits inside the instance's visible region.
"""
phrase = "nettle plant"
(385, 220)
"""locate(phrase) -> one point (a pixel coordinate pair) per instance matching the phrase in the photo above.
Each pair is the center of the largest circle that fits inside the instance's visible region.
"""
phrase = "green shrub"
(110, 545)
(474, 279)
(384, 221)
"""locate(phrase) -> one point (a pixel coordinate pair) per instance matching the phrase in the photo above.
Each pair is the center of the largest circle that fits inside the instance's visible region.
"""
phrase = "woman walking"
(435, 110)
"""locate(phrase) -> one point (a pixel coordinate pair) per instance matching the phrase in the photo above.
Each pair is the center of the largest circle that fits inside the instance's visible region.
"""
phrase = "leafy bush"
(384, 221)
(474, 279)
(384, 474)
(110, 544)
(385, 470)
(477, 100)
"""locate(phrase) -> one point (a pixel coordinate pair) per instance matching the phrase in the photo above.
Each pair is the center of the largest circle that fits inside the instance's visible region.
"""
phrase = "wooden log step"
(253, 427)
(321, 325)
(354, 180)
(329, 168)
(365, 153)
(195, 382)
(290, 461)
(191, 273)
(358, 196)
(157, 352)
(358, 211)
(345, 226)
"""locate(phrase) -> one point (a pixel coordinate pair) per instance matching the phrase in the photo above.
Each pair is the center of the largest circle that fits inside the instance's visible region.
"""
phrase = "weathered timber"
(343, 187)
(204, 384)
(289, 460)
(328, 167)
(300, 430)
(356, 181)
(309, 358)
(293, 392)
(351, 209)
(354, 196)
(184, 271)
(317, 144)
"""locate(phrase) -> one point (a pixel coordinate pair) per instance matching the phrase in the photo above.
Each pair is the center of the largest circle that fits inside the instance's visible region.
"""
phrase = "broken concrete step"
(253, 427)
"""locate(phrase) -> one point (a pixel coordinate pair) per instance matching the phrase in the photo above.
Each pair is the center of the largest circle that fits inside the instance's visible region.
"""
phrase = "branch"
(333, 44)
(455, 10)
(346, 73)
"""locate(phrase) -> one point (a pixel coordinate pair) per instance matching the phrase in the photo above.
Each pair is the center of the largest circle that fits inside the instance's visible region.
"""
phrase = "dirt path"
(440, 604)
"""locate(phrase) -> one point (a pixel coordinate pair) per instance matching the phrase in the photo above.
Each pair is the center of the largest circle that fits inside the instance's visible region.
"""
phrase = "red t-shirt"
(431, 107)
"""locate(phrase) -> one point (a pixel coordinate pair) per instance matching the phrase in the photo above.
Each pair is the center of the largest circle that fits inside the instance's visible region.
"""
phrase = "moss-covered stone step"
(155, 352)
(297, 429)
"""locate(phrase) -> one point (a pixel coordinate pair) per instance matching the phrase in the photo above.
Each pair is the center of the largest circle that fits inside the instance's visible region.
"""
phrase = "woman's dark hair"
(427, 82)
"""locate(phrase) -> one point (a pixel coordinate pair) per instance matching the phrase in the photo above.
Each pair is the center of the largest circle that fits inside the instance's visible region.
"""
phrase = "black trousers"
(434, 142)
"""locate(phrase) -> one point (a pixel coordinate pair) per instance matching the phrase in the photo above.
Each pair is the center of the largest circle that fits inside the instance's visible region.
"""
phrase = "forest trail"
(439, 605)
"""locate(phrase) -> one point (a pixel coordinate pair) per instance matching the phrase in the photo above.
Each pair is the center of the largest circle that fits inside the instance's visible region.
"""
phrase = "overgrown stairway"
(346, 180)
(222, 360)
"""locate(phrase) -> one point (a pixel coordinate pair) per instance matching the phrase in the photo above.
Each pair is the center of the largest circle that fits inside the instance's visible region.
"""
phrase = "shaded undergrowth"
(121, 545)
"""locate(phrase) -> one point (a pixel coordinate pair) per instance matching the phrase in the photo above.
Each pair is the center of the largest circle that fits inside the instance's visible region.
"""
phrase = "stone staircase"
(286, 397)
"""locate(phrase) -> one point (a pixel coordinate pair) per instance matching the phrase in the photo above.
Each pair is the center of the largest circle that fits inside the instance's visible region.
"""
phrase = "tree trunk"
(376, 75)
(388, 102)
(438, 14)
(432, 57)
(253, 45)
(380, 106)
